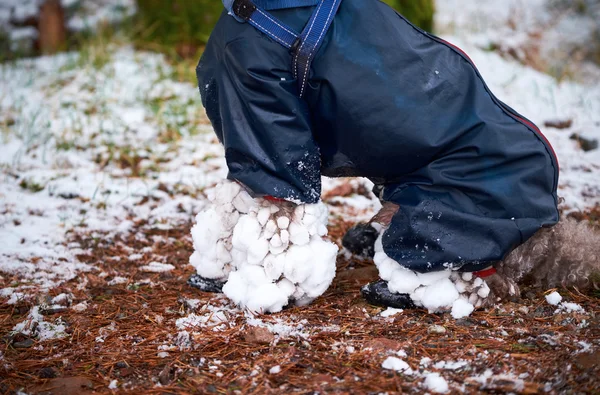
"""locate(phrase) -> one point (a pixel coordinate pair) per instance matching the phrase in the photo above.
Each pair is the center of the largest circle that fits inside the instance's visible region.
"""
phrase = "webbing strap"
(282, 4)
(311, 39)
(261, 20)
(304, 45)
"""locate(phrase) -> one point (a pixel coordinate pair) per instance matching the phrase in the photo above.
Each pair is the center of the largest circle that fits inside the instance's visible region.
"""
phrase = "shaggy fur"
(567, 255)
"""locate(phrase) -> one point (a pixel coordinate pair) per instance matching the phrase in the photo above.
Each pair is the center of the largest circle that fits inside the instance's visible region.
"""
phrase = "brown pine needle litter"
(126, 340)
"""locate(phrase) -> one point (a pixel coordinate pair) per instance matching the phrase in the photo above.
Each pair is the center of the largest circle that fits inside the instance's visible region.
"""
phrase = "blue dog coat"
(382, 99)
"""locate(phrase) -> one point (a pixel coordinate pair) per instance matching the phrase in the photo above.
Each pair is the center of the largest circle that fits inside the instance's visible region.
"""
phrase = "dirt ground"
(339, 347)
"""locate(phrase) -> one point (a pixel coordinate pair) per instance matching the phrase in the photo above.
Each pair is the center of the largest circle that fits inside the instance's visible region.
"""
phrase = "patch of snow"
(544, 27)
(35, 325)
(397, 364)
(193, 303)
(281, 328)
(113, 385)
(390, 312)
(568, 307)
(275, 369)
(62, 299)
(554, 298)
(13, 297)
(585, 347)
(488, 377)
(157, 267)
(118, 280)
(450, 365)
(436, 383)
(80, 307)
(214, 317)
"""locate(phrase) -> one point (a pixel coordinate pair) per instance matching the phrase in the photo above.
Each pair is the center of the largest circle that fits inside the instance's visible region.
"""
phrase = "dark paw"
(206, 284)
(377, 293)
(360, 240)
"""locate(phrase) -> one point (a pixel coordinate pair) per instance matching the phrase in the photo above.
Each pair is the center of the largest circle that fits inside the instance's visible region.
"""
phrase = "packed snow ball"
(270, 254)
(458, 293)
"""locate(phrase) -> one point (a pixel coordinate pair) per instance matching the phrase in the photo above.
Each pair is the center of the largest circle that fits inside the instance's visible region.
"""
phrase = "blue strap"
(304, 45)
(264, 22)
(273, 28)
(311, 39)
(268, 5)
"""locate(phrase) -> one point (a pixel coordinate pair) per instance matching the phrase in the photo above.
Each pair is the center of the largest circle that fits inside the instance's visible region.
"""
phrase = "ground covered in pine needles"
(150, 332)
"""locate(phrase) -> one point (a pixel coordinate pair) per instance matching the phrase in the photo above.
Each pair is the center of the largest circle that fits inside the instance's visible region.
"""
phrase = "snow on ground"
(558, 37)
(85, 149)
(436, 383)
(554, 298)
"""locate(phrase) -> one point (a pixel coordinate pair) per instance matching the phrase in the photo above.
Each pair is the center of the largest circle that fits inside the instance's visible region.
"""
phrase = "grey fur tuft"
(567, 255)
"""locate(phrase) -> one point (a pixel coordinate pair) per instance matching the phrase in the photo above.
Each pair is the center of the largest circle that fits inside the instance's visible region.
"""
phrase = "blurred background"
(180, 28)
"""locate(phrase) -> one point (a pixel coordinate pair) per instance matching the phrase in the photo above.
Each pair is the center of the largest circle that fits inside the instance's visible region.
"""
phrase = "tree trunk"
(51, 27)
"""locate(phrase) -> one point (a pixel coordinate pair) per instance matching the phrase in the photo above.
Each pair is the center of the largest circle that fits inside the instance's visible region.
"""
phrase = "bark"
(52, 31)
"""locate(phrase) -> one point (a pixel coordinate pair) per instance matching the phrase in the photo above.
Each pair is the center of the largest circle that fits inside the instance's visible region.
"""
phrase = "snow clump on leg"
(269, 254)
(439, 291)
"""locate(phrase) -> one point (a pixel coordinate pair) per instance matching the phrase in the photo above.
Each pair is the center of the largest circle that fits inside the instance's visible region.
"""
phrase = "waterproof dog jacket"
(382, 99)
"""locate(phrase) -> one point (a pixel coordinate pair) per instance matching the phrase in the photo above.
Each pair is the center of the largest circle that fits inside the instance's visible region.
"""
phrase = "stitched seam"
(325, 27)
(304, 41)
(275, 22)
(270, 34)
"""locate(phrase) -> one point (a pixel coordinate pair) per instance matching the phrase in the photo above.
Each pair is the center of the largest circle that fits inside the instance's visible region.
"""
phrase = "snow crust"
(269, 254)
